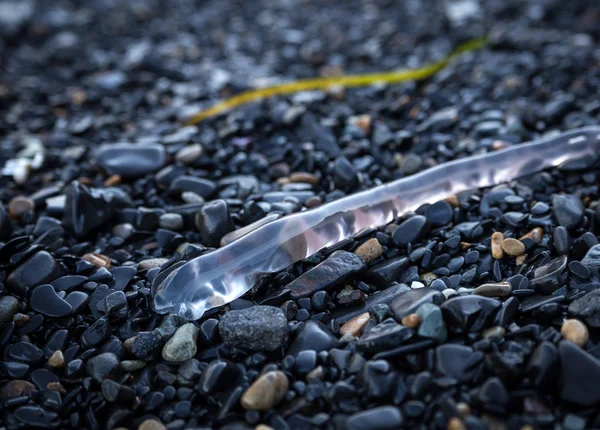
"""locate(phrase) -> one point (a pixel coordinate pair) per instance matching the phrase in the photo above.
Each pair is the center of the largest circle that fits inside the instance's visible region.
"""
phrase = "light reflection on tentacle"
(225, 274)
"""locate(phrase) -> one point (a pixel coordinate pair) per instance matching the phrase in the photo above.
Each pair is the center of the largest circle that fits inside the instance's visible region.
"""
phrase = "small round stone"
(513, 247)
(575, 331)
(497, 239)
(411, 321)
(151, 424)
(151, 263)
(188, 154)
(369, 251)
(56, 360)
(97, 260)
(266, 392)
(183, 345)
(456, 424)
(20, 205)
(9, 306)
(302, 177)
(463, 409)
(171, 221)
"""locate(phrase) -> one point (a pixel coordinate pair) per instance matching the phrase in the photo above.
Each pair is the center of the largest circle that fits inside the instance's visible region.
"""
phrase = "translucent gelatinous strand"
(227, 273)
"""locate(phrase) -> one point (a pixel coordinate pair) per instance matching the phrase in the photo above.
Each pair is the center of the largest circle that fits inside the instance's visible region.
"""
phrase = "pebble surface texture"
(475, 311)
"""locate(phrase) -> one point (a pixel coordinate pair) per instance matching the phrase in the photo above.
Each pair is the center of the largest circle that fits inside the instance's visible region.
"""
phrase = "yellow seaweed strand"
(335, 81)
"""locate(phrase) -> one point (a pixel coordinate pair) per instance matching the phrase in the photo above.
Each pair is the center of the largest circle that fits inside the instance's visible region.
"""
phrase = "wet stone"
(580, 373)
(213, 222)
(432, 325)
(131, 160)
(567, 209)
(25, 352)
(16, 388)
(454, 361)
(387, 271)
(336, 269)
(171, 221)
(96, 333)
(103, 366)
(410, 231)
(587, 309)
(9, 306)
(88, 209)
(220, 375)
(386, 335)
(45, 301)
(258, 328)
(183, 345)
(147, 345)
(439, 213)
(408, 303)
(39, 269)
(313, 335)
(501, 289)
(266, 392)
(36, 416)
(551, 276)
(379, 418)
(469, 313)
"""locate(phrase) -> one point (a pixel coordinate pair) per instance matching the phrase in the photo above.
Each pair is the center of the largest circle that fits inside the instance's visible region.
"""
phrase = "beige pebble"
(113, 180)
(536, 235)
(266, 392)
(263, 427)
(355, 325)
(411, 321)
(98, 260)
(513, 247)
(520, 259)
(369, 251)
(188, 154)
(575, 331)
(463, 409)
(56, 360)
(465, 245)
(456, 424)
(453, 200)
(497, 251)
(151, 424)
(428, 278)
(56, 386)
(20, 205)
(317, 373)
(363, 122)
(496, 331)
(303, 177)
(151, 263)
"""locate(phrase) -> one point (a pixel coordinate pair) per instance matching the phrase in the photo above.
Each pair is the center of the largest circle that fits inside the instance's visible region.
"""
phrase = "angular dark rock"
(88, 209)
(313, 335)
(580, 373)
(469, 313)
(213, 222)
(336, 269)
(411, 301)
(39, 269)
(258, 328)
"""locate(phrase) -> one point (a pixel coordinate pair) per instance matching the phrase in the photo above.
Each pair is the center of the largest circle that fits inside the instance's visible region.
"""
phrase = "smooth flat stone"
(45, 301)
(131, 160)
